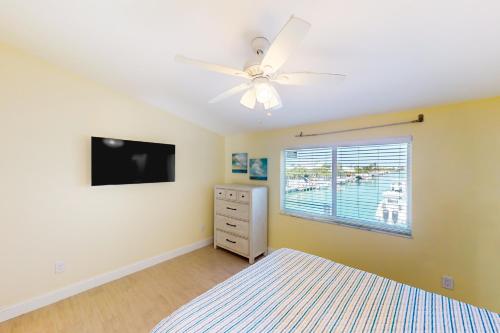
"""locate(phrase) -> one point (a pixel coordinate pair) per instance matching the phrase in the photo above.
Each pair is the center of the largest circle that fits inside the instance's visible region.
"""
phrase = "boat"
(393, 207)
(303, 183)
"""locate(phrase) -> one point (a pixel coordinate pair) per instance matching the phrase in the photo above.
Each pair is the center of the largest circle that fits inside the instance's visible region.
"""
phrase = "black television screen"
(117, 161)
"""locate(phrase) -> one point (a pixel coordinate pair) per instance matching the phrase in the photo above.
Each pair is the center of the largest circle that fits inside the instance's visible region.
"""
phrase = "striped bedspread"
(293, 291)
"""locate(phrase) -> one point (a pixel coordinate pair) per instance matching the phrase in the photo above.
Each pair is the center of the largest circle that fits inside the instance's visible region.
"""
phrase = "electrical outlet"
(59, 267)
(447, 282)
(202, 228)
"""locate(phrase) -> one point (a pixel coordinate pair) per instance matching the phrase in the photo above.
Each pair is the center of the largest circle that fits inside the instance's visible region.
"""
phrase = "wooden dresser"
(240, 219)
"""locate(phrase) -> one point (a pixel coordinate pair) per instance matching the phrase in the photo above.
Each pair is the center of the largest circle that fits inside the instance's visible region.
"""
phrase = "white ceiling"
(398, 54)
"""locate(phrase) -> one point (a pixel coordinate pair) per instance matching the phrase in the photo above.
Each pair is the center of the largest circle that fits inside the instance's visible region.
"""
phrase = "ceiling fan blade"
(231, 92)
(305, 78)
(249, 99)
(284, 44)
(211, 67)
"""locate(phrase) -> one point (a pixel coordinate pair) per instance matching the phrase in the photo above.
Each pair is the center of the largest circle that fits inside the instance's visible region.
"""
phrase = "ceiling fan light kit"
(249, 99)
(263, 90)
(262, 70)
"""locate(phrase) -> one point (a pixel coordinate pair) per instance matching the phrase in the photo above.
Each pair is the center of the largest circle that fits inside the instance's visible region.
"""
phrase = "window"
(363, 185)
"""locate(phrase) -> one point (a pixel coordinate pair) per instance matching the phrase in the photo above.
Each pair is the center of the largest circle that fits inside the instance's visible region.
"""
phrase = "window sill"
(350, 224)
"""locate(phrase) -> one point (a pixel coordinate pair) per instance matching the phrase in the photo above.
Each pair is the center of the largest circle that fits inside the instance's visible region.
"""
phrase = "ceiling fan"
(262, 71)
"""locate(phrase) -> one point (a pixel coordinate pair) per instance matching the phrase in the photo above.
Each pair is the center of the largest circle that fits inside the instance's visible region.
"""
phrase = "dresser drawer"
(231, 195)
(243, 196)
(231, 225)
(231, 242)
(220, 193)
(232, 209)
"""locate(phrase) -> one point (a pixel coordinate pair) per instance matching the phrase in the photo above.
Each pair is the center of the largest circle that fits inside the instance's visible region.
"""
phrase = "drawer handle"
(230, 208)
(230, 241)
(231, 225)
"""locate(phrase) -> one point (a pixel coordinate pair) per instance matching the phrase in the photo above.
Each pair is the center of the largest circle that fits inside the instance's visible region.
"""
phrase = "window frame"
(353, 223)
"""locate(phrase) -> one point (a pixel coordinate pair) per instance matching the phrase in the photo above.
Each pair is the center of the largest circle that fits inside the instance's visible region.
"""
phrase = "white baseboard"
(78, 287)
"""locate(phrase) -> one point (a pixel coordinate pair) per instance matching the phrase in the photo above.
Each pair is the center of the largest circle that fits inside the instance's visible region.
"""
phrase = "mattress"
(291, 291)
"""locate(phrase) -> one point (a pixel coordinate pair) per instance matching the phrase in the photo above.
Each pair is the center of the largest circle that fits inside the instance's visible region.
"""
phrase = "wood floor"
(134, 303)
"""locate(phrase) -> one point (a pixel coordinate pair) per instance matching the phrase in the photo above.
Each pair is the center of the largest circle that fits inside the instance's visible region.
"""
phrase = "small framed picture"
(258, 168)
(240, 163)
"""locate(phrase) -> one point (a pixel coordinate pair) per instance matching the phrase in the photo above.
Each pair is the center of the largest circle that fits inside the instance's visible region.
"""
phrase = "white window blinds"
(362, 185)
(308, 181)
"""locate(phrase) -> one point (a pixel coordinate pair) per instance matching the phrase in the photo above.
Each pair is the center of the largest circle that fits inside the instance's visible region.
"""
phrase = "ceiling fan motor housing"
(260, 45)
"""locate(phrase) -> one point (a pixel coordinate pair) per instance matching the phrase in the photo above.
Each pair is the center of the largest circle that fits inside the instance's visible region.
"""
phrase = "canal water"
(356, 200)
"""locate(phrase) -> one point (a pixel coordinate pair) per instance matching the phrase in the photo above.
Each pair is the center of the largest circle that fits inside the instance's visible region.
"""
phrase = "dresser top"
(239, 186)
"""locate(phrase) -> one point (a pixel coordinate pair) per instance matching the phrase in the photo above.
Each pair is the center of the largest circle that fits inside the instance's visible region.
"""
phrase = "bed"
(294, 291)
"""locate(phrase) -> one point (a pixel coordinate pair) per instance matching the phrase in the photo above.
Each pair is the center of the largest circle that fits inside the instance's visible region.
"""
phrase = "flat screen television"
(116, 161)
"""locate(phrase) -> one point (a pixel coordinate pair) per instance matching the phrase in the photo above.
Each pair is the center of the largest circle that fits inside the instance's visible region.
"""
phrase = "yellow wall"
(456, 207)
(49, 211)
